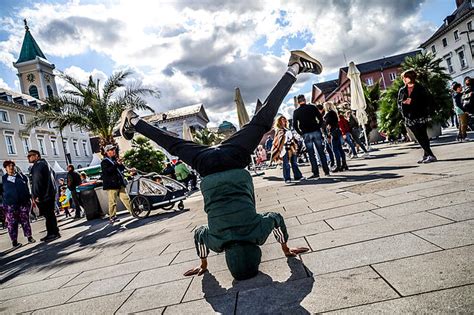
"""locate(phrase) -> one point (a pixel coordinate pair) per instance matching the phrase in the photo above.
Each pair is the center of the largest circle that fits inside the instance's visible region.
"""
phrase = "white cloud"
(198, 51)
(4, 85)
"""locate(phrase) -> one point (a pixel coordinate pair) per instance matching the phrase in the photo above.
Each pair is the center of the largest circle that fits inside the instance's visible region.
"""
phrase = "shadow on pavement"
(456, 159)
(54, 255)
(383, 168)
(267, 296)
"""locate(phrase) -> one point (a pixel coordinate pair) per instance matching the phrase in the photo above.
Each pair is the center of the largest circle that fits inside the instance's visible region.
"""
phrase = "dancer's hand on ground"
(293, 252)
(197, 270)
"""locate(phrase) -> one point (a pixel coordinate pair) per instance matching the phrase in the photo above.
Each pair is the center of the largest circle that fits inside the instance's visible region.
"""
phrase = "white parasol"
(357, 97)
(242, 114)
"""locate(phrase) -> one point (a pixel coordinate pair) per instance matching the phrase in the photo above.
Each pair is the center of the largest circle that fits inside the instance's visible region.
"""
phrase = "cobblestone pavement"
(388, 236)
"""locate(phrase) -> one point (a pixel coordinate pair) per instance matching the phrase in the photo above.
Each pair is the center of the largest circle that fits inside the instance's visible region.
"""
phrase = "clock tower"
(35, 72)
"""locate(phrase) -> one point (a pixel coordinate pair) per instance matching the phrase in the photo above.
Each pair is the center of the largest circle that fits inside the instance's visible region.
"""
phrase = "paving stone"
(457, 213)
(450, 301)
(189, 255)
(450, 235)
(176, 247)
(101, 305)
(319, 206)
(154, 311)
(40, 300)
(425, 204)
(224, 304)
(353, 219)
(306, 229)
(395, 199)
(103, 287)
(220, 283)
(450, 187)
(294, 209)
(430, 272)
(293, 221)
(366, 253)
(414, 187)
(336, 212)
(137, 254)
(314, 295)
(34, 287)
(155, 296)
(374, 230)
(131, 267)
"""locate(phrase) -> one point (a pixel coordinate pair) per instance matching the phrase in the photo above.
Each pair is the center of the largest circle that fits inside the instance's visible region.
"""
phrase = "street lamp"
(468, 39)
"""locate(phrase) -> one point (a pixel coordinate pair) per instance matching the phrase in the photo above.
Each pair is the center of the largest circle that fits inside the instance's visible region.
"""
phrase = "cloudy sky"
(199, 51)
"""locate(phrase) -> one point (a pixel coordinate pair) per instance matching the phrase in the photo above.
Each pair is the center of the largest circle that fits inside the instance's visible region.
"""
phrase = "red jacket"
(344, 125)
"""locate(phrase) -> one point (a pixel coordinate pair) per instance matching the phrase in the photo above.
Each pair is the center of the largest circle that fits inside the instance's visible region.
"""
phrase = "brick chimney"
(458, 3)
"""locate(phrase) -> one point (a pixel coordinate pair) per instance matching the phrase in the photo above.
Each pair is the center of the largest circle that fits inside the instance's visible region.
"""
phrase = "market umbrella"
(187, 135)
(357, 97)
(241, 111)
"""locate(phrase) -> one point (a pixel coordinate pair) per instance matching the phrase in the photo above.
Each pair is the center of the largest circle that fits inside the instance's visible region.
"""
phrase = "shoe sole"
(122, 129)
(304, 55)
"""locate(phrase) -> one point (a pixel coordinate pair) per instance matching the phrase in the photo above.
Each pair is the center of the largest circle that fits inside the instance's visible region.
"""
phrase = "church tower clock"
(35, 72)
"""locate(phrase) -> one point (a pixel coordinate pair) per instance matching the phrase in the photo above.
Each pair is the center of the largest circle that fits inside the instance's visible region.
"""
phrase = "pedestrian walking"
(43, 190)
(286, 149)
(307, 121)
(234, 226)
(335, 136)
(74, 180)
(346, 134)
(459, 109)
(113, 182)
(414, 102)
(355, 131)
(184, 175)
(16, 203)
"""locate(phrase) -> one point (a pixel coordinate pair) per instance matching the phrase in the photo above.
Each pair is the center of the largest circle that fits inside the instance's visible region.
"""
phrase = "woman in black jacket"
(17, 203)
(414, 102)
(332, 124)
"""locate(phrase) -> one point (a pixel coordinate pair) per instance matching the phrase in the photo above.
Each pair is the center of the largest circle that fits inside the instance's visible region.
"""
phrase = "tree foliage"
(433, 77)
(144, 157)
(372, 97)
(207, 137)
(91, 107)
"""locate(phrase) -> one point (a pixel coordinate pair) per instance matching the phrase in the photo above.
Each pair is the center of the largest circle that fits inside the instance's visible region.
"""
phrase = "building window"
(33, 90)
(41, 146)
(469, 26)
(84, 147)
(450, 64)
(71, 128)
(76, 148)
(456, 35)
(433, 49)
(54, 146)
(49, 90)
(369, 81)
(392, 76)
(21, 119)
(10, 143)
(462, 59)
(66, 146)
(445, 42)
(26, 144)
(4, 116)
(50, 126)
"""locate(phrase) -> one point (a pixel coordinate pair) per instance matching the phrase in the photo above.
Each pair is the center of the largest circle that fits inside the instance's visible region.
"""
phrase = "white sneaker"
(430, 159)
(305, 61)
(288, 182)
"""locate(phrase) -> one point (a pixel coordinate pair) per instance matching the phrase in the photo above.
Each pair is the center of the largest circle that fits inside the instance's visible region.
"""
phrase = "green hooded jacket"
(229, 202)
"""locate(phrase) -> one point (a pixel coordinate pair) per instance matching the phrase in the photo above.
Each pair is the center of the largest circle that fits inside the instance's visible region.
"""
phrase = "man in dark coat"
(43, 191)
(114, 182)
(74, 180)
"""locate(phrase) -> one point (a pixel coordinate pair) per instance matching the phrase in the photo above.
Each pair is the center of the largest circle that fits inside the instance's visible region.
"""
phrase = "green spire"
(29, 49)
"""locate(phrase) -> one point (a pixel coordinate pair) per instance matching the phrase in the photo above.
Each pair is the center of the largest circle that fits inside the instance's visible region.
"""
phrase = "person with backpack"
(286, 149)
(414, 103)
(74, 180)
(43, 191)
(467, 102)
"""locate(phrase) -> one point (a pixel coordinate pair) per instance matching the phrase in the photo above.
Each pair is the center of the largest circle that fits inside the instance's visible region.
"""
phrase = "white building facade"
(453, 42)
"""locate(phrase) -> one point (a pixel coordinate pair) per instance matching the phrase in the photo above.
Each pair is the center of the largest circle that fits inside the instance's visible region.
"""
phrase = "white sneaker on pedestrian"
(288, 182)
(430, 159)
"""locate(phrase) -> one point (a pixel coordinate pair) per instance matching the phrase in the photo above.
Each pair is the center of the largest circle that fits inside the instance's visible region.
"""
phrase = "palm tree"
(207, 137)
(91, 108)
(433, 77)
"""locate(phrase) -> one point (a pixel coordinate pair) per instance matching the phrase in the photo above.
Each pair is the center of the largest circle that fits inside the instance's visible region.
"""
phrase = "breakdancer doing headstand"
(234, 226)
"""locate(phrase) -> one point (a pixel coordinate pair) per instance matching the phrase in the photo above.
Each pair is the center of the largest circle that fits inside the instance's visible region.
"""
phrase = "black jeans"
(421, 135)
(46, 208)
(77, 203)
(232, 153)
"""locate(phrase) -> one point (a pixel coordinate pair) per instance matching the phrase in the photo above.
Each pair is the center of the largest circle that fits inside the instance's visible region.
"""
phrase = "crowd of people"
(463, 106)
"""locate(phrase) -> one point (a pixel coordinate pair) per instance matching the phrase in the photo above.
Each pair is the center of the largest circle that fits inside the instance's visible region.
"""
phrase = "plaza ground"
(387, 236)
